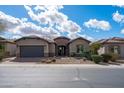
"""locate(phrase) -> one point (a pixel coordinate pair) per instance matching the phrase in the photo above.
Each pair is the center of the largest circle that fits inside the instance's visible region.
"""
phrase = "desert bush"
(114, 57)
(53, 60)
(87, 55)
(106, 57)
(97, 58)
(1, 56)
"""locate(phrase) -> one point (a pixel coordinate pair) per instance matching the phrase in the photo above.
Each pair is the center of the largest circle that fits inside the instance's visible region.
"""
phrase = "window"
(115, 49)
(80, 48)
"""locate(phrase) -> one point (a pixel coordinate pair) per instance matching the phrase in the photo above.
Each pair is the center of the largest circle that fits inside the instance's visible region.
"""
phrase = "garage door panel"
(32, 51)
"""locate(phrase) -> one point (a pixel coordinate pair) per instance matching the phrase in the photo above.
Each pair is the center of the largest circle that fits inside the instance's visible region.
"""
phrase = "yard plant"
(114, 57)
(97, 58)
(2, 48)
(1, 56)
(94, 47)
(106, 57)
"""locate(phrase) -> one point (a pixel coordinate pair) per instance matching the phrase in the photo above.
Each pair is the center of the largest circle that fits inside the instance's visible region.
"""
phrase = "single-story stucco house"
(33, 46)
(8, 46)
(112, 45)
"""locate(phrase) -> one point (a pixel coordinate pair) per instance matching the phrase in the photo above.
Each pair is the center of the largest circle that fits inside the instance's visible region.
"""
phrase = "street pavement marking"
(77, 79)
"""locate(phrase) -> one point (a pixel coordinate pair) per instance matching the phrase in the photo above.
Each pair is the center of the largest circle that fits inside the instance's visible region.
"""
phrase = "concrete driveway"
(61, 76)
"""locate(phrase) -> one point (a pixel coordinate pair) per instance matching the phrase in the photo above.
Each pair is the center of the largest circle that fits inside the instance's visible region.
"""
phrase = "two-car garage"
(32, 47)
(31, 51)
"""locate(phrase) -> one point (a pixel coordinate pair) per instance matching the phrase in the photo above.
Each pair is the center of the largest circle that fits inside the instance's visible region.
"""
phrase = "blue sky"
(109, 21)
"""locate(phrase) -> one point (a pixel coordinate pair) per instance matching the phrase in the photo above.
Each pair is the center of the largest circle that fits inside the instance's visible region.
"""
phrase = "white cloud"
(74, 35)
(121, 6)
(122, 31)
(24, 19)
(48, 7)
(69, 26)
(20, 27)
(50, 15)
(50, 23)
(30, 13)
(96, 24)
(9, 21)
(118, 17)
(45, 14)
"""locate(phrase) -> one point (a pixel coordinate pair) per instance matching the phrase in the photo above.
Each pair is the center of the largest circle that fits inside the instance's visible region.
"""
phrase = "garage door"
(31, 51)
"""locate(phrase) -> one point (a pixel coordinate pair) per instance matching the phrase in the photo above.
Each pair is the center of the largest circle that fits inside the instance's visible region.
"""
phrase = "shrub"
(87, 55)
(97, 58)
(1, 57)
(53, 60)
(106, 57)
(114, 57)
(78, 54)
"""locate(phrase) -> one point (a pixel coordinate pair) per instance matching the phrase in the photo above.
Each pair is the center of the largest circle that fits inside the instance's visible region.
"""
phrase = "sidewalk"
(60, 65)
(11, 63)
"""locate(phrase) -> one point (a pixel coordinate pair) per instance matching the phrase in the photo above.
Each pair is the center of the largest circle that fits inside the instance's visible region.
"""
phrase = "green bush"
(53, 60)
(87, 55)
(106, 57)
(97, 58)
(79, 55)
(1, 57)
(114, 57)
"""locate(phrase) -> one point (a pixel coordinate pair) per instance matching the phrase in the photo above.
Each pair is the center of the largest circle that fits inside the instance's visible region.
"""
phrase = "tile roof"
(80, 38)
(112, 40)
(4, 40)
(62, 37)
(51, 40)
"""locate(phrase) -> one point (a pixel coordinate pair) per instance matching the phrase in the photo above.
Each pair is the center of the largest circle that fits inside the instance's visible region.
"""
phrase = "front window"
(115, 49)
(80, 48)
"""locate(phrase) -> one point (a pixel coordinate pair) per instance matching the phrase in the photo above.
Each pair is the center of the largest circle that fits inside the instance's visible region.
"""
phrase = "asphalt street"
(61, 77)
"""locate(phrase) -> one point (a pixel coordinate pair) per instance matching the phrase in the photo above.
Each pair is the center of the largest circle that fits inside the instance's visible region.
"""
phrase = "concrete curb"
(61, 65)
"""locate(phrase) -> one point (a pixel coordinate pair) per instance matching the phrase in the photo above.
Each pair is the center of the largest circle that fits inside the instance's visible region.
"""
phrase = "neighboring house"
(33, 46)
(112, 45)
(8, 47)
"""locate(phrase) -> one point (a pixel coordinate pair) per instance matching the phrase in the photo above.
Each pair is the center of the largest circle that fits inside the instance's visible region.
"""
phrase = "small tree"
(94, 47)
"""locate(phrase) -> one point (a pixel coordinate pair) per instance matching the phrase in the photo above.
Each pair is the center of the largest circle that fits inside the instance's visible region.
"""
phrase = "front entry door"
(61, 50)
